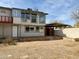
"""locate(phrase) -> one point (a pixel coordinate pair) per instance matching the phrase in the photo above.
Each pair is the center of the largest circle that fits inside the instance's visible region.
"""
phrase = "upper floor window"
(25, 17)
(42, 19)
(34, 17)
(16, 13)
(22, 15)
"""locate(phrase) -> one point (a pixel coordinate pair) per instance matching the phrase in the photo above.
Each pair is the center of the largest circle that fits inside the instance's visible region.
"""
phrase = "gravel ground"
(55, 49)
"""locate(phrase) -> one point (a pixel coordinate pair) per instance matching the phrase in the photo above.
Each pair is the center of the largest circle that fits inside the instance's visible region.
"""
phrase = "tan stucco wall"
(68, 32)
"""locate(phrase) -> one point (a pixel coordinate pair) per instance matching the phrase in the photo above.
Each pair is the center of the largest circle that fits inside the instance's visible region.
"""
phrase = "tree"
(75, 16)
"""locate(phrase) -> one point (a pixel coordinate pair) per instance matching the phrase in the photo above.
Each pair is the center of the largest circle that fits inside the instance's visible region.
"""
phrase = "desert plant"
(9, 41)
(76, 39)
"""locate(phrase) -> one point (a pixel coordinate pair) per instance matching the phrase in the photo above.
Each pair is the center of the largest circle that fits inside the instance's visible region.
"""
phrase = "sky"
(59, 10)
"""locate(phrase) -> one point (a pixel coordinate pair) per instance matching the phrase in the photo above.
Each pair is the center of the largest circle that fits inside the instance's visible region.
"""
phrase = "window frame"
(42, 18)
(34, 18)
(26, 17)
(29, 29)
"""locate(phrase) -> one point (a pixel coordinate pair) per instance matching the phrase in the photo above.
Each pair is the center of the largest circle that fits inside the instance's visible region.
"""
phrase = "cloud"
(61, 9)
(56, 9)
(15, 3)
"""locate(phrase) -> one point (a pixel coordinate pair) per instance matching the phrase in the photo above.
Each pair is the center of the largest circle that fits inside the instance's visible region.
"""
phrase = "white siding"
(16, 20)
(25, 34)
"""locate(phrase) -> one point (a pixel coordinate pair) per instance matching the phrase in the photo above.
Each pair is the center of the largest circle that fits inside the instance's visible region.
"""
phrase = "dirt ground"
(54, 49)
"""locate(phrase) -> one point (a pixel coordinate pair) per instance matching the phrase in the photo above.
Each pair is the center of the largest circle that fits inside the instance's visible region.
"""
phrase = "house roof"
(29, 10)
(58, 25)
(5, 7)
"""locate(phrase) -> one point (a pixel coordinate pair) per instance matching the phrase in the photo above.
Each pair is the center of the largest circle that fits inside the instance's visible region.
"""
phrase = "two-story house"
(15, 22)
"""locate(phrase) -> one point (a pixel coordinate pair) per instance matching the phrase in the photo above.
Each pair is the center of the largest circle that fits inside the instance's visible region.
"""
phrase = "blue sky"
(57, 9)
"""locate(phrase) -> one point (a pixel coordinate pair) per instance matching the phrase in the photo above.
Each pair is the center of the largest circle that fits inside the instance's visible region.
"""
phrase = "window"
(22, 15)
(42, 19)
(25, 17)
(29, 29)
(37, 28)
(16, 13)
(34, 18)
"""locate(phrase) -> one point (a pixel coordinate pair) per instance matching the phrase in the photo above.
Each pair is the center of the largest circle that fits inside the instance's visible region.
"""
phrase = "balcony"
(6, 19)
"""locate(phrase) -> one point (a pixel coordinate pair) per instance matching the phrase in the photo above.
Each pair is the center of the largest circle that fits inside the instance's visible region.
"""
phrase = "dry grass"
(55, 49)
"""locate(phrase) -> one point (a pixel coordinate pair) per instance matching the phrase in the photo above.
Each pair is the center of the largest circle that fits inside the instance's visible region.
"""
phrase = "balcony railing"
(6, 19)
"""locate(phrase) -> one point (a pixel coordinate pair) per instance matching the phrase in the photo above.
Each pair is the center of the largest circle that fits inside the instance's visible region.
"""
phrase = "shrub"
(76, 39)
(9, 41)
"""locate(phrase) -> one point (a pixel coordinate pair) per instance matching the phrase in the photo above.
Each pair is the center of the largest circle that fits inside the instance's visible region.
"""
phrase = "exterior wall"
(23, 33)
(5, 30)
(1, 30)
(32, 33)
(68, 32)
(5, 12)
(27, 34)
(18, 20)
(16, 14)
(5, 15)
(8, 29)
(5, 22)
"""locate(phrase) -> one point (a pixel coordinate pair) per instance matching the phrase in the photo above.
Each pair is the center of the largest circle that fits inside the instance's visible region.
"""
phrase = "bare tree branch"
(75, 15)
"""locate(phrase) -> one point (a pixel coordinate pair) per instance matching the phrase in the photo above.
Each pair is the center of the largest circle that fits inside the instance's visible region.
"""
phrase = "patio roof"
(58, 25)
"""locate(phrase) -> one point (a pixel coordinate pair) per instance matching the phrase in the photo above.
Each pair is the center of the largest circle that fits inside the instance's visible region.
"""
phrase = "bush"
(76, 39)
(9, 41)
